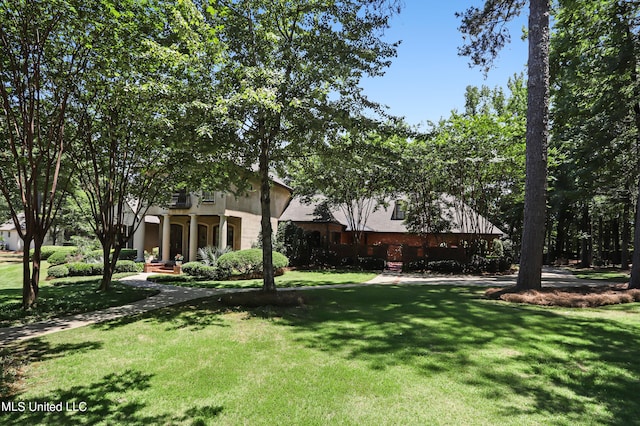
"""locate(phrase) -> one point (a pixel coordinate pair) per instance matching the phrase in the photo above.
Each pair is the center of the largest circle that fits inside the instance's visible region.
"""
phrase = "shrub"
(47, 251)
(128, 254)
(77, 269)
(94, 256)
(200, 270)
(58, 271)
(128, 266)
(248, 262)
(446, 266)
(60, 256)
(415, 265)
(209, 255)
(491, 264)
(192, 268)
(370, 263)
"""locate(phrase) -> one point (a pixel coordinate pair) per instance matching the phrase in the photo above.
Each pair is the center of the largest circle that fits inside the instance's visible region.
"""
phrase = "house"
(384, 234)
(10, 238)
(194, 220)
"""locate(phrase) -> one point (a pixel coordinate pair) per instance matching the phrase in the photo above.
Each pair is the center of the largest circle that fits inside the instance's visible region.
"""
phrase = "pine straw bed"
(571, 297)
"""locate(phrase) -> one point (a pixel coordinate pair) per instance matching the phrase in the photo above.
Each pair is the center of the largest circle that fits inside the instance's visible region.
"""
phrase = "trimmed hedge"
(370, 263)
(60, 256)
(128, 266)
(58, 271)
(248, 262)
(446, 266)
(78, 269)
(200, 270)
(128, 254)
(46, 251)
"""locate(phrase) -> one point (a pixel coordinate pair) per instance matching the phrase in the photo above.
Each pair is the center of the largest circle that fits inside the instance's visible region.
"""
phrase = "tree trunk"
(615, 239)
(29, 292)
(585, 239)
(561, 233)
(626, 233)
(530, 274)
(268, 283)
(635, 262)
(107, 270)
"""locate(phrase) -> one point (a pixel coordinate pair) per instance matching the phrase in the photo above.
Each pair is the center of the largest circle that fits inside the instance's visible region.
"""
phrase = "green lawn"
(77, 295)
(602, 274)
(288, 279)
(360, 356)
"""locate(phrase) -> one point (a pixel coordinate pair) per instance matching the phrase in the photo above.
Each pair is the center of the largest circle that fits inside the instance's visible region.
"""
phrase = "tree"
(487, 34)
(43, 49)
(292, 79)
(470, 165)
(356, 173)
(131, 115)
(596, 109)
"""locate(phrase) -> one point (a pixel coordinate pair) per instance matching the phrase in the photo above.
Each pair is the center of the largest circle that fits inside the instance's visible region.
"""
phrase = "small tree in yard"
(129, 117)
(43, 51)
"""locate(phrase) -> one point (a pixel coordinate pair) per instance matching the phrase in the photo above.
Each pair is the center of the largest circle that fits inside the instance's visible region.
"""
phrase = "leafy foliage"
(248, 262)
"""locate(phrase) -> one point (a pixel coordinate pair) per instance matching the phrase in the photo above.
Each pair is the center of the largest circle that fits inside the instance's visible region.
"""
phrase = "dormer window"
(399, 210)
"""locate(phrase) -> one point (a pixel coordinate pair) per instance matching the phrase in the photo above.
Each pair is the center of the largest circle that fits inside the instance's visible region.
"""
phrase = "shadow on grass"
(195, 314)
(564, 365)
(104, 401)
(67, 300)
(13, 357)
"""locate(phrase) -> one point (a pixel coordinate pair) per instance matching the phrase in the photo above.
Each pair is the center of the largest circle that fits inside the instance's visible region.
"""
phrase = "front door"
(175, 241)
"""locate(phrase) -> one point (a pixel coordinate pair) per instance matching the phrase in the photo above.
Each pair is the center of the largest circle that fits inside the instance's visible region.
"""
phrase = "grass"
(61, 297)
(367, 355)
(288, 279)
(612, 275)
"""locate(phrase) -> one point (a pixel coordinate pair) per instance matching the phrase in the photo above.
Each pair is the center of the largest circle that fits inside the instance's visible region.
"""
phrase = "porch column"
(222, 232)
(138, 240)
(166, 238)
(193, 237)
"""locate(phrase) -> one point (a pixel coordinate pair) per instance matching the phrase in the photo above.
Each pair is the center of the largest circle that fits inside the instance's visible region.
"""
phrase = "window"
(230, 235)
(399, 211)
(208, 197)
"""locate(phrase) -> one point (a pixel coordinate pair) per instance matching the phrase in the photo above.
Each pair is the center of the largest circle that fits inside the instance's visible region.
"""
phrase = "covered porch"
(185, 233)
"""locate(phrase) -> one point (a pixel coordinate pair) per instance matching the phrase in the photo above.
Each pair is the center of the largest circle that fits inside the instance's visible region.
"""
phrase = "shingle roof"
(381, 219)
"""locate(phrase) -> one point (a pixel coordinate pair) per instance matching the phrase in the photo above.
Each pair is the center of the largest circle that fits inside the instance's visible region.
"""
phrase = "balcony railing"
(180, 200)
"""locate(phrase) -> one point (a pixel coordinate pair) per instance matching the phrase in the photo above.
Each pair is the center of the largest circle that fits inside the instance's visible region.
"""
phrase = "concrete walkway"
(172, 295)
(169, 295)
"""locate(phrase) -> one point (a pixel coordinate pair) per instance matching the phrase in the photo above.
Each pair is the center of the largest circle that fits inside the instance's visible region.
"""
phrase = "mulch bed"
(257, 298)
(571, 297)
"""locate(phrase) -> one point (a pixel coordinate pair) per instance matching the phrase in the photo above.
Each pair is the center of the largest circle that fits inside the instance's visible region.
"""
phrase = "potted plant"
(179, 258)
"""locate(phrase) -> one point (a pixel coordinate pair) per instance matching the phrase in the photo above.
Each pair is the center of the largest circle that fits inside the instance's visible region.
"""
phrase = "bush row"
(78, 269)
(478, 264)
(243, 262)
(200, 270)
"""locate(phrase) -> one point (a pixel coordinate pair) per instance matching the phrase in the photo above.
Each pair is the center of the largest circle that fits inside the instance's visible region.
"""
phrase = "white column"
(193, 237)
(222, 232)
(138, 240)
(166, 238)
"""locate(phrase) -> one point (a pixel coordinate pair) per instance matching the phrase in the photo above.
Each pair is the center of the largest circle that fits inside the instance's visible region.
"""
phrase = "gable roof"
(381, 219)
(10, 226)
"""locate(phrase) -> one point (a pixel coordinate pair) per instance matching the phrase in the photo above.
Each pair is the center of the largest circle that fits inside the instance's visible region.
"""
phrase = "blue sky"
(428, 79)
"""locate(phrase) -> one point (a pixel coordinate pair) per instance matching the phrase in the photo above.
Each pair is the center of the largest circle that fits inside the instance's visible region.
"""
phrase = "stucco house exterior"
(194, 220)
(9, 238)
(385, 234)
